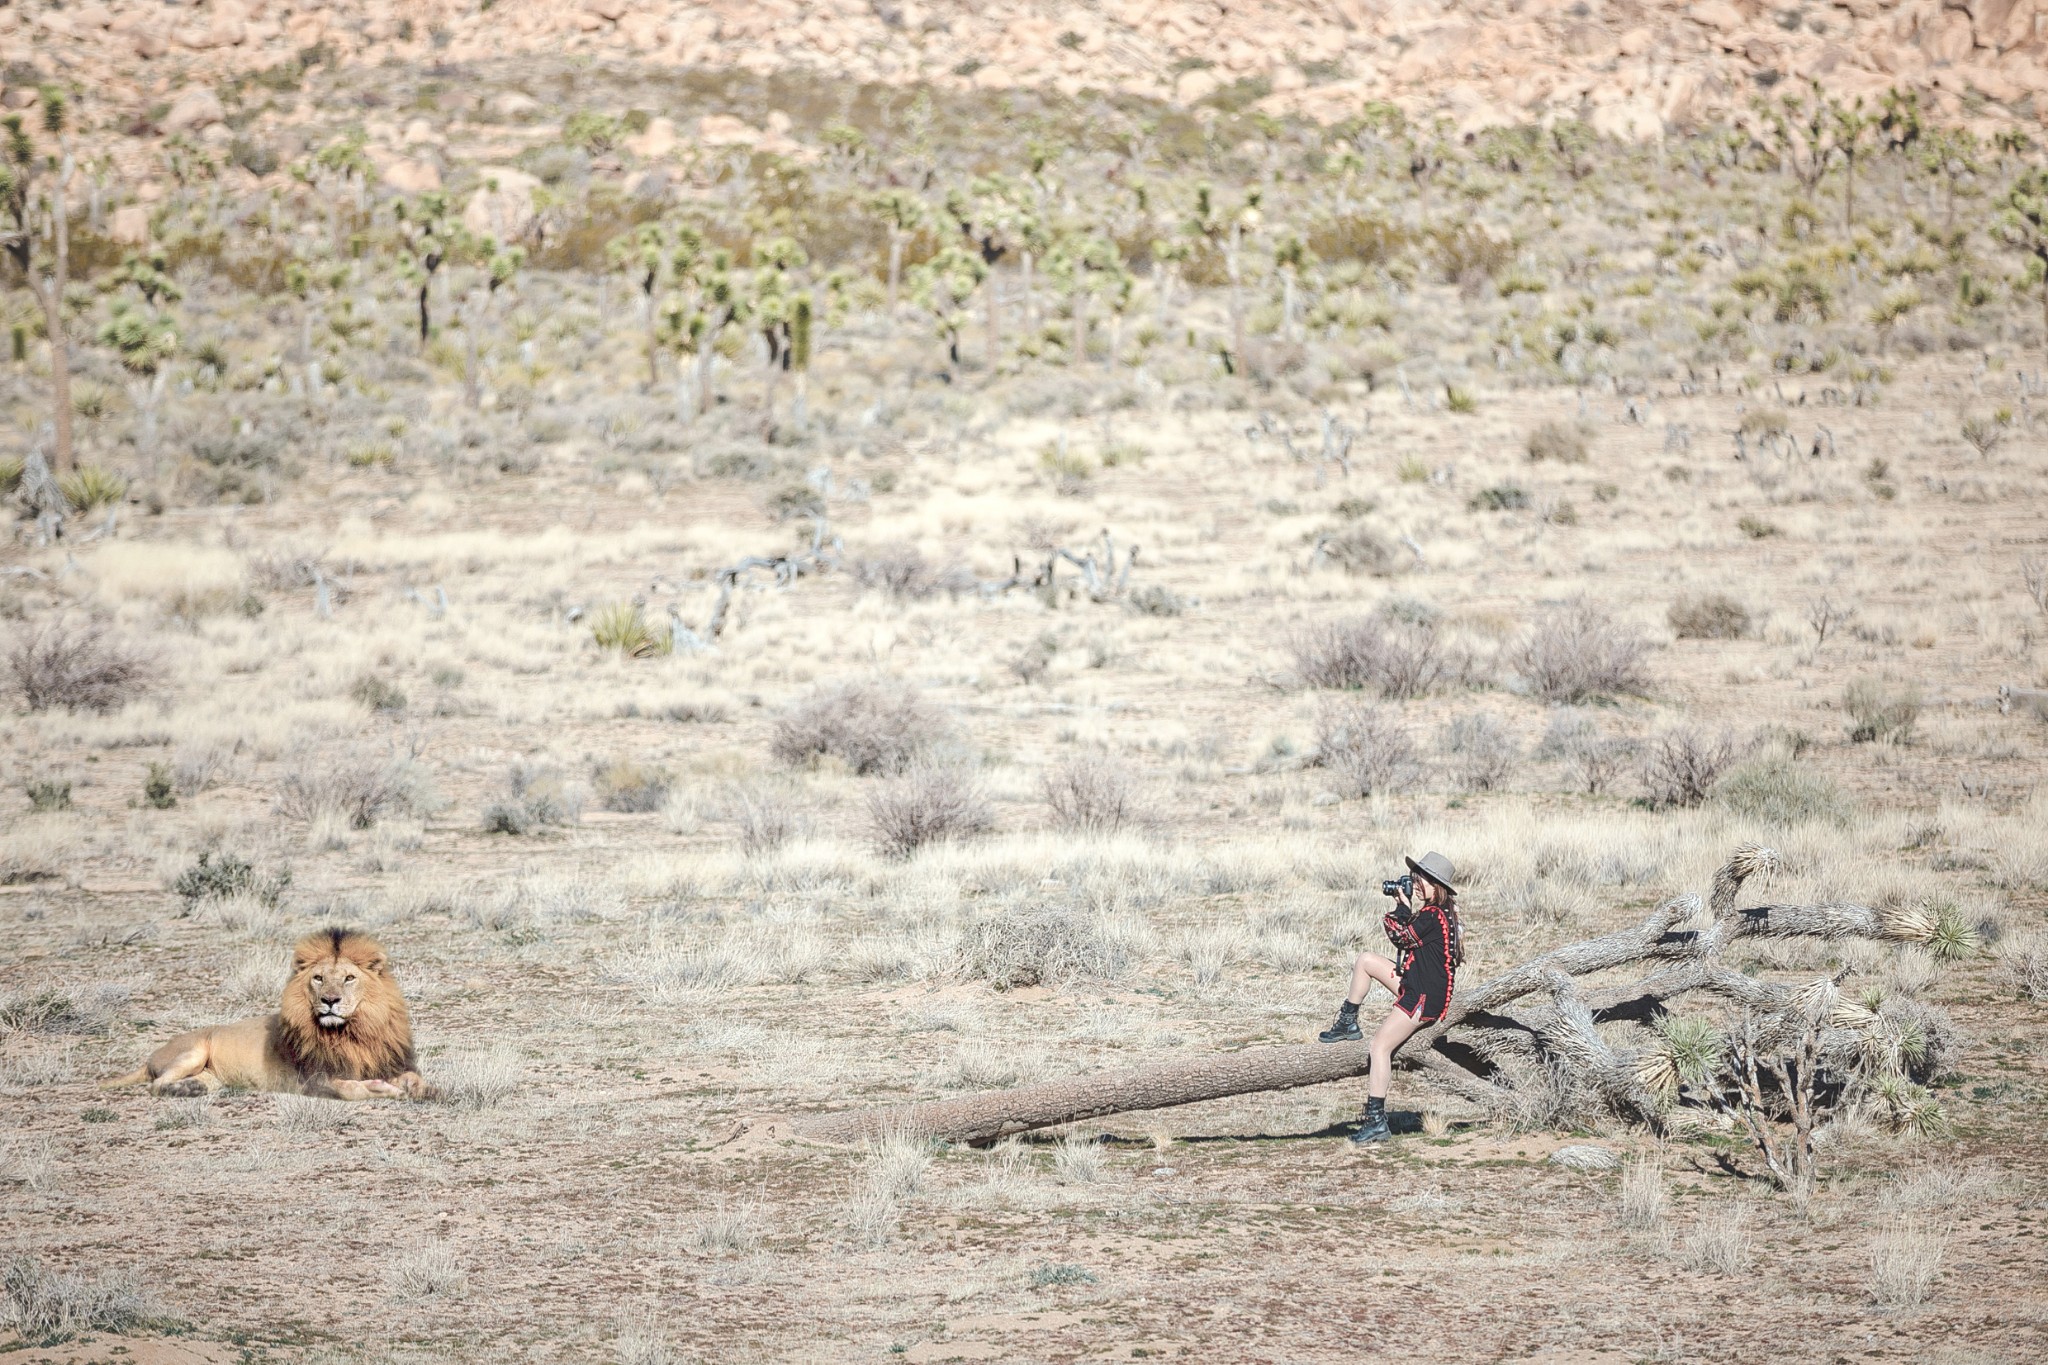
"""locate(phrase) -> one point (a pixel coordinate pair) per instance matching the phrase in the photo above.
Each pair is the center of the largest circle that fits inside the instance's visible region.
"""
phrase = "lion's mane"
(375, 1043)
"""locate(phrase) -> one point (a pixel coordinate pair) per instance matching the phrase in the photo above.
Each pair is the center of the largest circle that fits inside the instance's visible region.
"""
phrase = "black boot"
(1374, 1128)
(1345, 1030)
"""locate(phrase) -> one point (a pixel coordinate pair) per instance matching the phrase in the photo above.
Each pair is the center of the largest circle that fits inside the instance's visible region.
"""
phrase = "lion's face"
(334, 990)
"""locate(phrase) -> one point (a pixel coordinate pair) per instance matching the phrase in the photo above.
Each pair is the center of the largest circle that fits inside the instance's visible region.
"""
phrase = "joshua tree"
(1950, 154)
(1850, 125)
(692, 322)
(902, 214)
(143, 337)
(942, 286)
(643, 256)
(306, 281)
(987, 218)
(19, 201)
(2024, 224)
(497, 266)
(341, 166)
(773, 308)
(1290, 258)
(1801, 130)
(430, 238)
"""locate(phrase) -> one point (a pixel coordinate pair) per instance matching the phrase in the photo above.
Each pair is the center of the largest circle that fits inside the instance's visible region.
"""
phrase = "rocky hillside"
(1631, 68)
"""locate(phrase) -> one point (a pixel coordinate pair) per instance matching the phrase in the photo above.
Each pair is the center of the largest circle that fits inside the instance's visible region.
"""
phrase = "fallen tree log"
(1490, 1047)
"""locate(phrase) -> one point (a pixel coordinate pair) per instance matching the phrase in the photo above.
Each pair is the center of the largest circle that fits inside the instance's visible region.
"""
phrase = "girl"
(1425, 931)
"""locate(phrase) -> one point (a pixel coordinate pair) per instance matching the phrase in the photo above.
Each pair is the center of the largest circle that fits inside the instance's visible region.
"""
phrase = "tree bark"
(52, 298)
(1562, 1032)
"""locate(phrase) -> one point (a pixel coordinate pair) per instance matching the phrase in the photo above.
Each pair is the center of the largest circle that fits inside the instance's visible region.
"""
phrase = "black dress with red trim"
(1427, 975)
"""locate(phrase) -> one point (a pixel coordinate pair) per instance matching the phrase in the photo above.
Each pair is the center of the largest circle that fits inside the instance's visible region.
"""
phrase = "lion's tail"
(135, 1077)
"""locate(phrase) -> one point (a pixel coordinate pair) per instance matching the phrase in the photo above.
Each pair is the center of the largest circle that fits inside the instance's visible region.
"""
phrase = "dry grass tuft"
(1905, 1258)
(1078, 1160)
(1708, 616)
(357, 786)
(728, 1230)
(426, 1270)
(2023, 962)
(1721, 1242)
(1642, 1192)
(1398, 653)
(1054, 942)
(479, 1080)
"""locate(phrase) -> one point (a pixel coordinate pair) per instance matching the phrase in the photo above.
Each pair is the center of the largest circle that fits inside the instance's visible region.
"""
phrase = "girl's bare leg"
(1393, 1031)
(1368, 968)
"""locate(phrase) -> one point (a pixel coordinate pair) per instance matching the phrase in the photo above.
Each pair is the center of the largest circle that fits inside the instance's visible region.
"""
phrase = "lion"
(341, 1032)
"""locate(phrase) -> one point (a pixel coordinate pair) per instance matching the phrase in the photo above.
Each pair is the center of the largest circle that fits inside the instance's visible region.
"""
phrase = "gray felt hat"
(1437, 868)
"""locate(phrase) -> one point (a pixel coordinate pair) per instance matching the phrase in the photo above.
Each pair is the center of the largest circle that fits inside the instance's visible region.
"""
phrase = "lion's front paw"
(186, 1089)
(383, 1090)
(416, 1087)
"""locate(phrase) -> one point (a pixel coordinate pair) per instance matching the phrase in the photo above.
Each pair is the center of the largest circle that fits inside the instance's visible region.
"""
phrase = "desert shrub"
(2023, 963)
(1708, 616)
(159, 787)
(871, 726)
(1398, 655)
(1561, 441)
(1721, 1242)
(767, 819)
(632, 787)
(90, 487)
(1505, 497)
(1478, 752)
(358, 787)
(1052, 942)
(1780, 791)
(623, 627)
(904, 573)
(1155, 600)
(426, 1270)
(218, 876)
(78, 668)
(1578, 652)
(536, 797)
(378, 694)
(1089, 794)
(1877, 712)
(1364, 747)
(46, 1306)
(1682, 767)
(1359, 550)
(928, 803)
(47, 794)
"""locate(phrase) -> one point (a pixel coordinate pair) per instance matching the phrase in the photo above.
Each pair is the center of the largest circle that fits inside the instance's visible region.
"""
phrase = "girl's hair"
(1447, 901)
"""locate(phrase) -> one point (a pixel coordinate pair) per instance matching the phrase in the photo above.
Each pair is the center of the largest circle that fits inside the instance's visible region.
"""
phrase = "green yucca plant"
(621, 626)
(1686, 1051)
(89, 487)
(1939, 924)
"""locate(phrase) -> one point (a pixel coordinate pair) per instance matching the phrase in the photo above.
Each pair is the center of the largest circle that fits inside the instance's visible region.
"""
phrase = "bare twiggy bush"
(1642, 1191)
(1054, 942)
(1398, 657)
(1721, 1242)
(930, 803)
(1561, 441)
(1877, 712)
(1077, 1160)
(1683, 765)
(357, 786)
(1578, 652)
(2023, 962)
(1089, 794)
(870, 726)
(1596, 758)
(426, 1270)
(903, 572)
(1905, 1258)
(45, 1306)
(1365, 748)
(78, 667)
(1479, 752)
(1708, 616)
(478, 1080)
(767, 818)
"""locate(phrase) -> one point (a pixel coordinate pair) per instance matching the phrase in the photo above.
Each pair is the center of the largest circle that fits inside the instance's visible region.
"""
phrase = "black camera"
(1403, 886)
